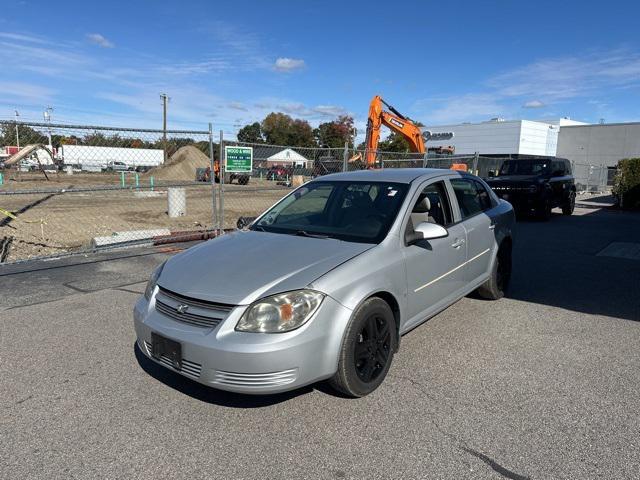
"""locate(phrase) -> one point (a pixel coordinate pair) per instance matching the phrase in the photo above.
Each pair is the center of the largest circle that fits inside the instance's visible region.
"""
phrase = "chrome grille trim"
(190, 318)
(221, 307)
(189, 368)
(273, 379)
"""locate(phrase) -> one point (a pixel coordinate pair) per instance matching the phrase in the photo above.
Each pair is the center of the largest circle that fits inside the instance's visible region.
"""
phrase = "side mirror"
(427, 231)
(244, 222)
(492, 173)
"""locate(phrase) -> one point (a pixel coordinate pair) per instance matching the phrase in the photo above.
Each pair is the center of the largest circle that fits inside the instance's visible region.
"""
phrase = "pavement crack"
(495, 466)
(127, 290)
(77, 289)
(24, 399)
(457, 442)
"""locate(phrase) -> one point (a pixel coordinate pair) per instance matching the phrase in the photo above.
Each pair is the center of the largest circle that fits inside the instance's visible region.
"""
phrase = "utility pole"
(47, 118)
(164, 98)
(17, 134)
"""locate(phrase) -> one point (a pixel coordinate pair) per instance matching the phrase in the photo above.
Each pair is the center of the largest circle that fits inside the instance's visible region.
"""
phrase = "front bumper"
(522, 200)
(243, 362)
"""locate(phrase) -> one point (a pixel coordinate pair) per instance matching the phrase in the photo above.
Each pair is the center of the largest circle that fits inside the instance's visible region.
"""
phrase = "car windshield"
(350, 211)
(525, 167)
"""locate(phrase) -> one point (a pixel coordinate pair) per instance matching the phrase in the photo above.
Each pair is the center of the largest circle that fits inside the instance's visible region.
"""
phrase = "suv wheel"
(367, 349)
(570, 205)
(498, 282)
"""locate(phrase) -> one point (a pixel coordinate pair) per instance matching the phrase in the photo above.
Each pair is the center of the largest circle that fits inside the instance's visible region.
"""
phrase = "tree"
(251, 133)
(281, 129)
(301, 134)
(28, 135)
(334, 134)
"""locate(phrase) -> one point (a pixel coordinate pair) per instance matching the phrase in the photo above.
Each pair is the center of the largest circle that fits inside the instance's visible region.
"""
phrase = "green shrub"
(627, 183)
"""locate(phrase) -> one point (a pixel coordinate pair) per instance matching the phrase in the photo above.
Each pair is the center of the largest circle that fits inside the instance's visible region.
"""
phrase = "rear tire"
(570, 205)
(498, 283)
(367, 349)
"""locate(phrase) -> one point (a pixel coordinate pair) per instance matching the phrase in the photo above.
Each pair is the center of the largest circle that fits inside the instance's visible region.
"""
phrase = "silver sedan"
(323, 284)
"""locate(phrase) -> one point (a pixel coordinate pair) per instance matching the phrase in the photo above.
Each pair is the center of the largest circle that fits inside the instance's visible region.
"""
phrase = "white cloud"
(533, 104)
(461, 108)
(100, 40)
(237, 106)
(284, 64)
(535, 85)
(330, 110)
(24, 91)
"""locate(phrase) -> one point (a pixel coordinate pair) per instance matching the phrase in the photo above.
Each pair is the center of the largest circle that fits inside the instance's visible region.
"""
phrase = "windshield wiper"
(304, 233)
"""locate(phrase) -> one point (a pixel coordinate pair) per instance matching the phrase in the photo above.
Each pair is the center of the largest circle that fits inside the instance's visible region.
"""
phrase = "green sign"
(238, 159)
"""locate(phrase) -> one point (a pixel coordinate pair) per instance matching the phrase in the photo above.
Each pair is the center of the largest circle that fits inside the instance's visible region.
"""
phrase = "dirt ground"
(53, 221)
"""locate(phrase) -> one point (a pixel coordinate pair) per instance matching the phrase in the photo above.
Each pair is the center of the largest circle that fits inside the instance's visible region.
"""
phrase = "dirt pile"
(182, 165)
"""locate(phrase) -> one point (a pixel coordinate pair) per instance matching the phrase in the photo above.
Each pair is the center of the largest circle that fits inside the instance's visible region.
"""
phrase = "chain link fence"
(68, 189)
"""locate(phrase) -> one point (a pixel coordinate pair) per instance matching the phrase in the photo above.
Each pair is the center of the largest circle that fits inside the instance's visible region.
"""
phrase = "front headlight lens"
(280, 313)
(153, 280)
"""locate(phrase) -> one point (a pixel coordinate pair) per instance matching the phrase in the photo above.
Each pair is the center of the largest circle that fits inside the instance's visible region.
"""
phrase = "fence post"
(425, 160)
(345, 156)
(212, 179)
(222, 175)
(474, 168)
(122, 183)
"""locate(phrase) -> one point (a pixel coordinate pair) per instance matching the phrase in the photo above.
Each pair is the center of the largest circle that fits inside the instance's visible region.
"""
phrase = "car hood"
(240, 267)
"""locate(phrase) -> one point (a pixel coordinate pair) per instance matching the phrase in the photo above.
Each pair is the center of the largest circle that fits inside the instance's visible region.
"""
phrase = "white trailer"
(99, 158)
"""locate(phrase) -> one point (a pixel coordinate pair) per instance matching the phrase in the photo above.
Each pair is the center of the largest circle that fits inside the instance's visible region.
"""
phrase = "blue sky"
(231, 63)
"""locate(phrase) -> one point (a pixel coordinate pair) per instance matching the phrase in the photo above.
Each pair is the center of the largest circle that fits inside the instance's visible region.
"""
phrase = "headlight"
(280, 313)
(151, 284)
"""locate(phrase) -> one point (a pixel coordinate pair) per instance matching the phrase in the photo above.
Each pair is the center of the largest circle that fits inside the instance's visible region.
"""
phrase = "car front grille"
(189, 368)
(191, 311)
(258, 380)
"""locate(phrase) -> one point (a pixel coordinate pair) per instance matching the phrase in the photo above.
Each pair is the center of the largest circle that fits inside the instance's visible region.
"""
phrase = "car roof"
(394, 175)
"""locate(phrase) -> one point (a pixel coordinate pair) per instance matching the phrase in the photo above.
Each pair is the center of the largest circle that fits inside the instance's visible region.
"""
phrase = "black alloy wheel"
(372, 348)
(367, 350)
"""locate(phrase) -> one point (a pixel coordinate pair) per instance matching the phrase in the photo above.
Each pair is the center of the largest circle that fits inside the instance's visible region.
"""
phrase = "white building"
(601, 144)
(97, 158)
(288, 157)
(500, 137)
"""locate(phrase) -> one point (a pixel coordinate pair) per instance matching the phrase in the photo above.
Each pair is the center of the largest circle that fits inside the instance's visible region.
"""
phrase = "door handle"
(492, 226)
(458, 243)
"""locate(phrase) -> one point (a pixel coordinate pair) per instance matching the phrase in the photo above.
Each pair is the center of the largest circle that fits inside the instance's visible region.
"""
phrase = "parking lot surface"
(542, 384)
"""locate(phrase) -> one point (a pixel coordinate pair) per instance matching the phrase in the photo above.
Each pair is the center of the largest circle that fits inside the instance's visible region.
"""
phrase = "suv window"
(567, 167)
(557, 167)
(467, 196)
(432, 206)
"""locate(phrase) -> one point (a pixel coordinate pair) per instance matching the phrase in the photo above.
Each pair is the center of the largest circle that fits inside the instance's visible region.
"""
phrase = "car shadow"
(211, 395)
(556, 263)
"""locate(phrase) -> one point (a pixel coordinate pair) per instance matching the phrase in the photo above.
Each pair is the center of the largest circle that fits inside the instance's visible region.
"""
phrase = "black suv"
(536, 185)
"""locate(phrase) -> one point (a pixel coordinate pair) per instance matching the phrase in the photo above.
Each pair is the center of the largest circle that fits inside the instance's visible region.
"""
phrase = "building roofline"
(601, 125)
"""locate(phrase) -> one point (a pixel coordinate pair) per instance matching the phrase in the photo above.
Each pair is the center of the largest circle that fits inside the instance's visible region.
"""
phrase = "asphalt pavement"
(542, 384)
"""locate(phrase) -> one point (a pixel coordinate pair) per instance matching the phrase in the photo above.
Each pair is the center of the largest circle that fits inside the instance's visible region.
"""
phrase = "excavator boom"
(396, 122)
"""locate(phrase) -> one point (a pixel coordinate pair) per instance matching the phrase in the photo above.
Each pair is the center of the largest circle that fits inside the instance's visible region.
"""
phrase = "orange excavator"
(397, 122)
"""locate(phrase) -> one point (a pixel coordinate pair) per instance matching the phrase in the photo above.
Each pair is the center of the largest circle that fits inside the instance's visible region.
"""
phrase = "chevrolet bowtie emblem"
(182, 308)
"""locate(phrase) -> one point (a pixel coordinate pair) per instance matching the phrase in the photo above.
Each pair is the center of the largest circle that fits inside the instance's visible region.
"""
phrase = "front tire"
(570, 205)
(498, 283)
(367, 349)
(543, 212)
